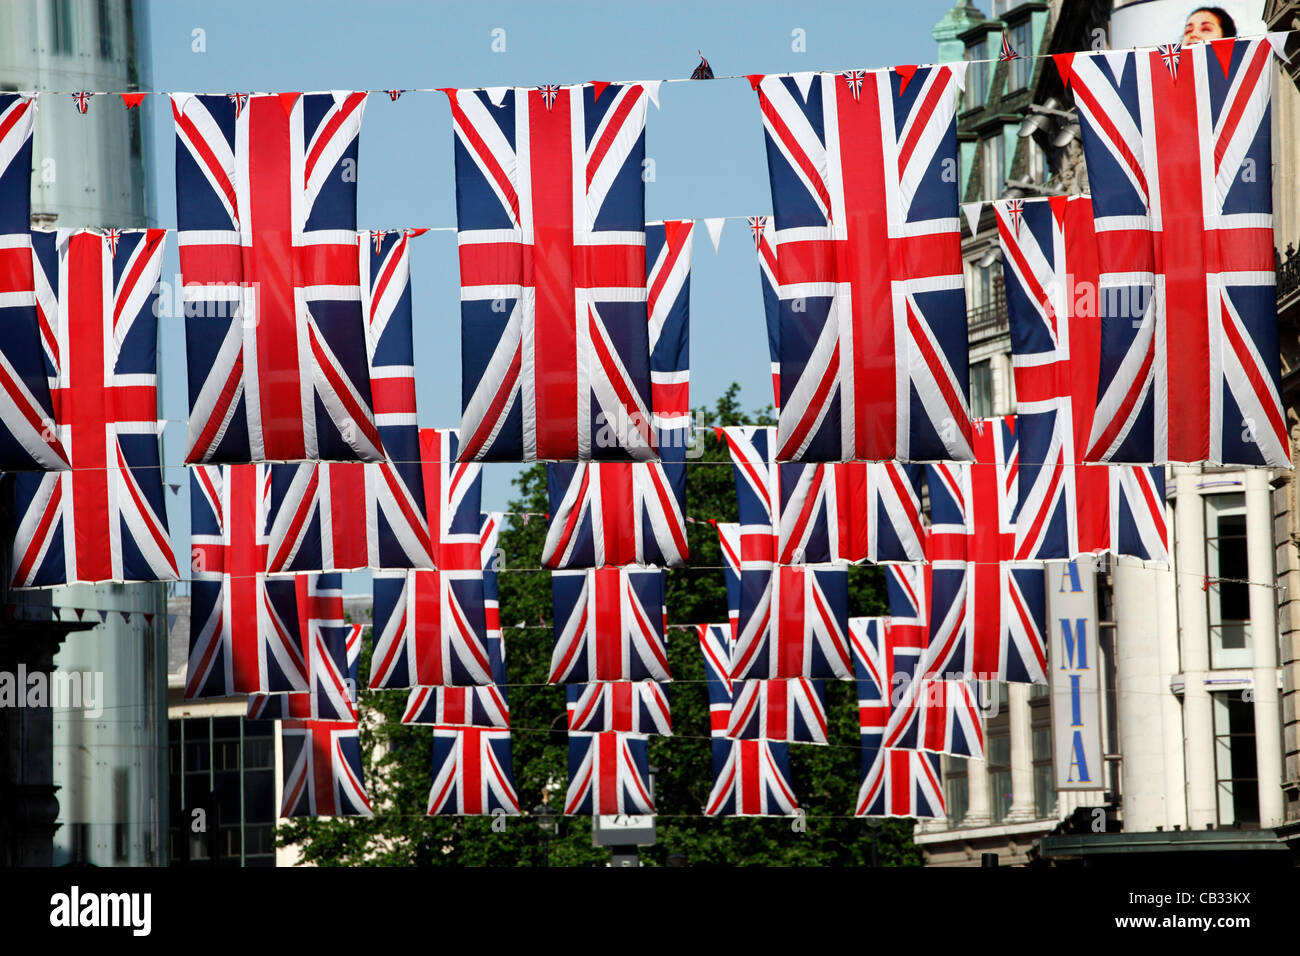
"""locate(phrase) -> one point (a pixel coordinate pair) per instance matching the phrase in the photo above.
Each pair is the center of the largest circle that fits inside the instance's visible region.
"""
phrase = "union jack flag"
(855, 80)
(17, 119)
(1008, 52)
(787, 710)
(1067, 507)
(668, 247)
(240, 100)
(105, 520)
(935, 715)
(473, 774)
(274, 334)
(786, 621)
(729, 542)
(899, 783)
(793, 621)
(316, 509)
(609, 773)
(880, 664)
(1189, 342)
(1014, 209)
(322, 770)
(431, 627)
(620, 513)
(550, 208)
(750, 777)
(638, 707)
(246, 636)
(549, 92)
(616, 513)
(1170, 53)
(987, 617)
(486, 705)
(609, 626)
(790, 710)
(866, 214)
(765, 247)
(886, 652)
(28, 439)
(483, 706)
(333, 653)
(850, 511)
(82, 100)
(905, 710)
(715, 645)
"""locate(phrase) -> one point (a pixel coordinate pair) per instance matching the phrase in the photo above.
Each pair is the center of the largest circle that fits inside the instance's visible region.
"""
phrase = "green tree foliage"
(398, 758)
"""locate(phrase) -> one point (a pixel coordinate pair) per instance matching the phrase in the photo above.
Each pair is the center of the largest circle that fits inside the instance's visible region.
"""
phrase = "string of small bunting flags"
(1169, 52)
(48, 612)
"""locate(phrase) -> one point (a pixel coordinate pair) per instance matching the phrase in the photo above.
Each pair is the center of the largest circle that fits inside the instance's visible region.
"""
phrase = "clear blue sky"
(707, 139)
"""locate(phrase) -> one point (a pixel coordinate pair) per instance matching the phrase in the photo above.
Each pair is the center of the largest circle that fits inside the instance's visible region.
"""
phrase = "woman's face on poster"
(1202, 26)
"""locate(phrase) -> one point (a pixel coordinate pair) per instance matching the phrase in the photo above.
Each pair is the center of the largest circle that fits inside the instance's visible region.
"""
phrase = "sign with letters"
(1074, 668)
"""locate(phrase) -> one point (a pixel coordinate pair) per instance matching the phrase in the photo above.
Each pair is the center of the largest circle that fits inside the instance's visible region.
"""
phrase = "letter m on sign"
(1074, 641)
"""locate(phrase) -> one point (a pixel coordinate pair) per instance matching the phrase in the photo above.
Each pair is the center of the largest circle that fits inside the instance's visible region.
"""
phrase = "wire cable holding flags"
(1276, 38)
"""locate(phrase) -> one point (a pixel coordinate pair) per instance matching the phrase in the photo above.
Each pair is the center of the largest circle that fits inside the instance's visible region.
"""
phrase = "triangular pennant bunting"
(714, 227)
(652, 91)
(1065, 65)
(1278, 42)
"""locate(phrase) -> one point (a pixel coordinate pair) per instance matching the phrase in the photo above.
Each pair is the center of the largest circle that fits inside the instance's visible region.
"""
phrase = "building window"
(1022, 41)
(1037, 168)
(991, 168)
(61, 26)
(1225, 557)
(977, 74)
(981, 285)
(105, 20)
(956, 792)
(1234, 760)
(1044, 782)
(1000, 776)
(121, 816)
(981, 389)
(226, 767)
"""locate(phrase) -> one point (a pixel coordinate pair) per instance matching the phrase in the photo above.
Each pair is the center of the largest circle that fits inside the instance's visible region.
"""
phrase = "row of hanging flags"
(308, 459)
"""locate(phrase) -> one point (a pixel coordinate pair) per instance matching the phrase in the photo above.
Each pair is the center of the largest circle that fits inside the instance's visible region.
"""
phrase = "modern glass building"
(109, 761)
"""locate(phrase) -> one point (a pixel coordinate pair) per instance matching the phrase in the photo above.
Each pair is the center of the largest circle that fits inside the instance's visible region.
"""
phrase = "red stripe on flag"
(549, 267)
(751, 785)
(269, 262)
(348, 514)
(791, 626)
(471, 793)
(1180, 252)
(607, 745)
(87, 405)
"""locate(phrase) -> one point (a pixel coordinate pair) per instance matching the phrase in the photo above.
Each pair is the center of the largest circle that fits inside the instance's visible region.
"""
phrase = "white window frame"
(1223, 506)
